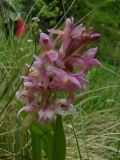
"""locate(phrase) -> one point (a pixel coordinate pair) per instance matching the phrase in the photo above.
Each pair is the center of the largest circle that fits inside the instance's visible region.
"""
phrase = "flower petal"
(46, 41)
(95, 36)
(22, 95)
(65, 111)
(57, 32)
(81, 78)
(91, 53)
(62, 80)
(50, 56)
(46, 114)
(77, 31)
(73, 62)
(69, 25)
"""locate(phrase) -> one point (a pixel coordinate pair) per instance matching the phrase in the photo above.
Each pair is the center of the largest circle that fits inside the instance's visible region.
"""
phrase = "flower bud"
(95, 36)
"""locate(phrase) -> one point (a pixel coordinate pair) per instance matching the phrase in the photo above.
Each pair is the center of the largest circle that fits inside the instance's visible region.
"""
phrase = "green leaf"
(47, 144)
(36, 146)
(59, 142)
(43, 136)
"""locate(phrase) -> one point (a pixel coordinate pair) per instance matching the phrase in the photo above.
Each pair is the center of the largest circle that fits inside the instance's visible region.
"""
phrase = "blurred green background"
(97, 122)
(105, 19)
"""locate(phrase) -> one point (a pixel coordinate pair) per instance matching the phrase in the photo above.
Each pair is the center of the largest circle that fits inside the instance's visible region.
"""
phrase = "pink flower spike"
(46, 41)
(62, 66)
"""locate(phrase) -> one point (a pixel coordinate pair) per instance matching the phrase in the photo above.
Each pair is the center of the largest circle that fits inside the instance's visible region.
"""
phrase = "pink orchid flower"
(62, 68)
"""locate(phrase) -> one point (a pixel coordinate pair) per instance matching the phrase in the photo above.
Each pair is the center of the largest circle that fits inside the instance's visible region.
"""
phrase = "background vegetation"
(97, 122)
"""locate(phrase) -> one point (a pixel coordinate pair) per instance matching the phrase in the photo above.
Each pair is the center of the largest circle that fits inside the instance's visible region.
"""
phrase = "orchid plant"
(62, 67)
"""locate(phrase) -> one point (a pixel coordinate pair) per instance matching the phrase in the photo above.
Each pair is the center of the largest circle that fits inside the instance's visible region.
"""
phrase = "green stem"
(59, 142)
(36, 146)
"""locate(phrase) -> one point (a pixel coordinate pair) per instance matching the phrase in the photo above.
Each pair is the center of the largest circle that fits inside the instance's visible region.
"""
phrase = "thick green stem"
(59, 142)
(36, 146)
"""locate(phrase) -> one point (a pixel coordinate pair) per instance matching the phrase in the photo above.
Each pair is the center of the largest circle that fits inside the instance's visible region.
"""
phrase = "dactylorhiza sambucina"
(64, 69)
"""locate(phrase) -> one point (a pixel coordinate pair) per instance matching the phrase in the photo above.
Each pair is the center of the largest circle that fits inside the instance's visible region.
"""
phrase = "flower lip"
(46, 114)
